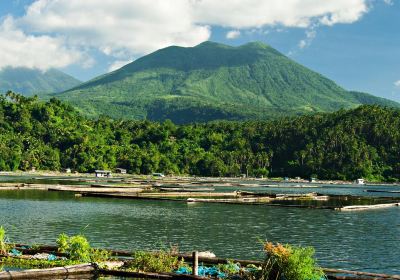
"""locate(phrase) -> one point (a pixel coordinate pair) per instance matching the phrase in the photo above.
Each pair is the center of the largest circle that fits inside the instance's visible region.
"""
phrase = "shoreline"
(43, 174)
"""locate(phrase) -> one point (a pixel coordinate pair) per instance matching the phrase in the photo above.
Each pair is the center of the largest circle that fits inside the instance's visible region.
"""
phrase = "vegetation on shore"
(77, 248)
(4, 247)
(71, 250)
(291, 262)
(348, 144)
(281, 261)
(160, 261)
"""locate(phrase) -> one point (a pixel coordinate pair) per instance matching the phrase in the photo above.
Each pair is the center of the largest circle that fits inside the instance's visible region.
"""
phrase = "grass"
(161, 261)
(34, 263)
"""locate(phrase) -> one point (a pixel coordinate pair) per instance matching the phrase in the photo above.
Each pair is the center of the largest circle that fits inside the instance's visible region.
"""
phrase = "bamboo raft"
(19, 186)
(82, 189)
(381, 191)
(367, 207)
(185, 189)
(243, 198)
(198, 195)
(161, 196)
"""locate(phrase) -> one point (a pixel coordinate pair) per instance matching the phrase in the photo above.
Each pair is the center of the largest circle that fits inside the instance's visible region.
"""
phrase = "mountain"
(213, 81)
(34, 81)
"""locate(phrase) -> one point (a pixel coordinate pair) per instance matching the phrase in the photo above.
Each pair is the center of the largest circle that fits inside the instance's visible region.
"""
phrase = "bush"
(230, 268)
(32, 263)
(78, 248)
(162, 261)
(63, 243)
(290, 263)
(4, 247)
(99, 255)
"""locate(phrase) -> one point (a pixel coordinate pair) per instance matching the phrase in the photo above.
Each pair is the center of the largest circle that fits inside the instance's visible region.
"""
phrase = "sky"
(356, 43)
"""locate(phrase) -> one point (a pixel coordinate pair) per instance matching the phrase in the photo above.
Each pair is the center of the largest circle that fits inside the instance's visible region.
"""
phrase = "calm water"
(365, 240)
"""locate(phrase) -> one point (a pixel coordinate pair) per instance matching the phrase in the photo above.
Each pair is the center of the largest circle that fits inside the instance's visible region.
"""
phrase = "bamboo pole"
(361, 273)
(49, 272)
(195, 261)
(149, 275)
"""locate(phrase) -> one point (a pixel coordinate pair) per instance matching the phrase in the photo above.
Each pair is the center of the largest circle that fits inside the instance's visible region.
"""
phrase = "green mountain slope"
(212, 81)
(33, 81)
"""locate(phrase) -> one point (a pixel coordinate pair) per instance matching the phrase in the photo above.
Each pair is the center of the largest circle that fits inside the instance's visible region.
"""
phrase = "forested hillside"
(213, 81)
(348, 144)
(34, 81)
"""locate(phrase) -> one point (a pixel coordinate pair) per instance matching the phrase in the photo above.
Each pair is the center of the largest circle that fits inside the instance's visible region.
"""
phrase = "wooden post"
(195, 268)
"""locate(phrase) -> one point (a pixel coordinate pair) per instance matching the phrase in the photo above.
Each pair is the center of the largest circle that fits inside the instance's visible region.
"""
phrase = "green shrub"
(230, 268)
(33, 263)
(63, 243)
(162, 261)
(99, 255)
(291, 262)
(78, 248)
(4, 247)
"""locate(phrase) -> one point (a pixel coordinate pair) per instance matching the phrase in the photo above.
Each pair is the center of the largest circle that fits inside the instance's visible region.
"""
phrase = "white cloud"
(18, 49)
(114, 26)
(310, 36)
(302, 44)
(388, 2)
(118, 64)
(127, 28)
(289, 13)
(397, 83)
(233, 34)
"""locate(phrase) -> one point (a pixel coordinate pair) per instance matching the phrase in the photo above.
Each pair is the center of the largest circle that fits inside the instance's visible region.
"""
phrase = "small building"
(67, 170)
(103, 173)
(158, 175)
(360, 182)
(120, 170)
(313, 180)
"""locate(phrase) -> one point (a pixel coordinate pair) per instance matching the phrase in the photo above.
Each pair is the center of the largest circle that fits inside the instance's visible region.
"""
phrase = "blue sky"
(353, 42)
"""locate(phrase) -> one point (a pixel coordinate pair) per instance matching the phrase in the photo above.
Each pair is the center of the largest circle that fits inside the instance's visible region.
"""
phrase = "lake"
(365, 240)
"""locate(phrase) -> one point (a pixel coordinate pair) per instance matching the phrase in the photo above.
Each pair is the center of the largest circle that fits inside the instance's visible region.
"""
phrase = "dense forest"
(348, 144)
